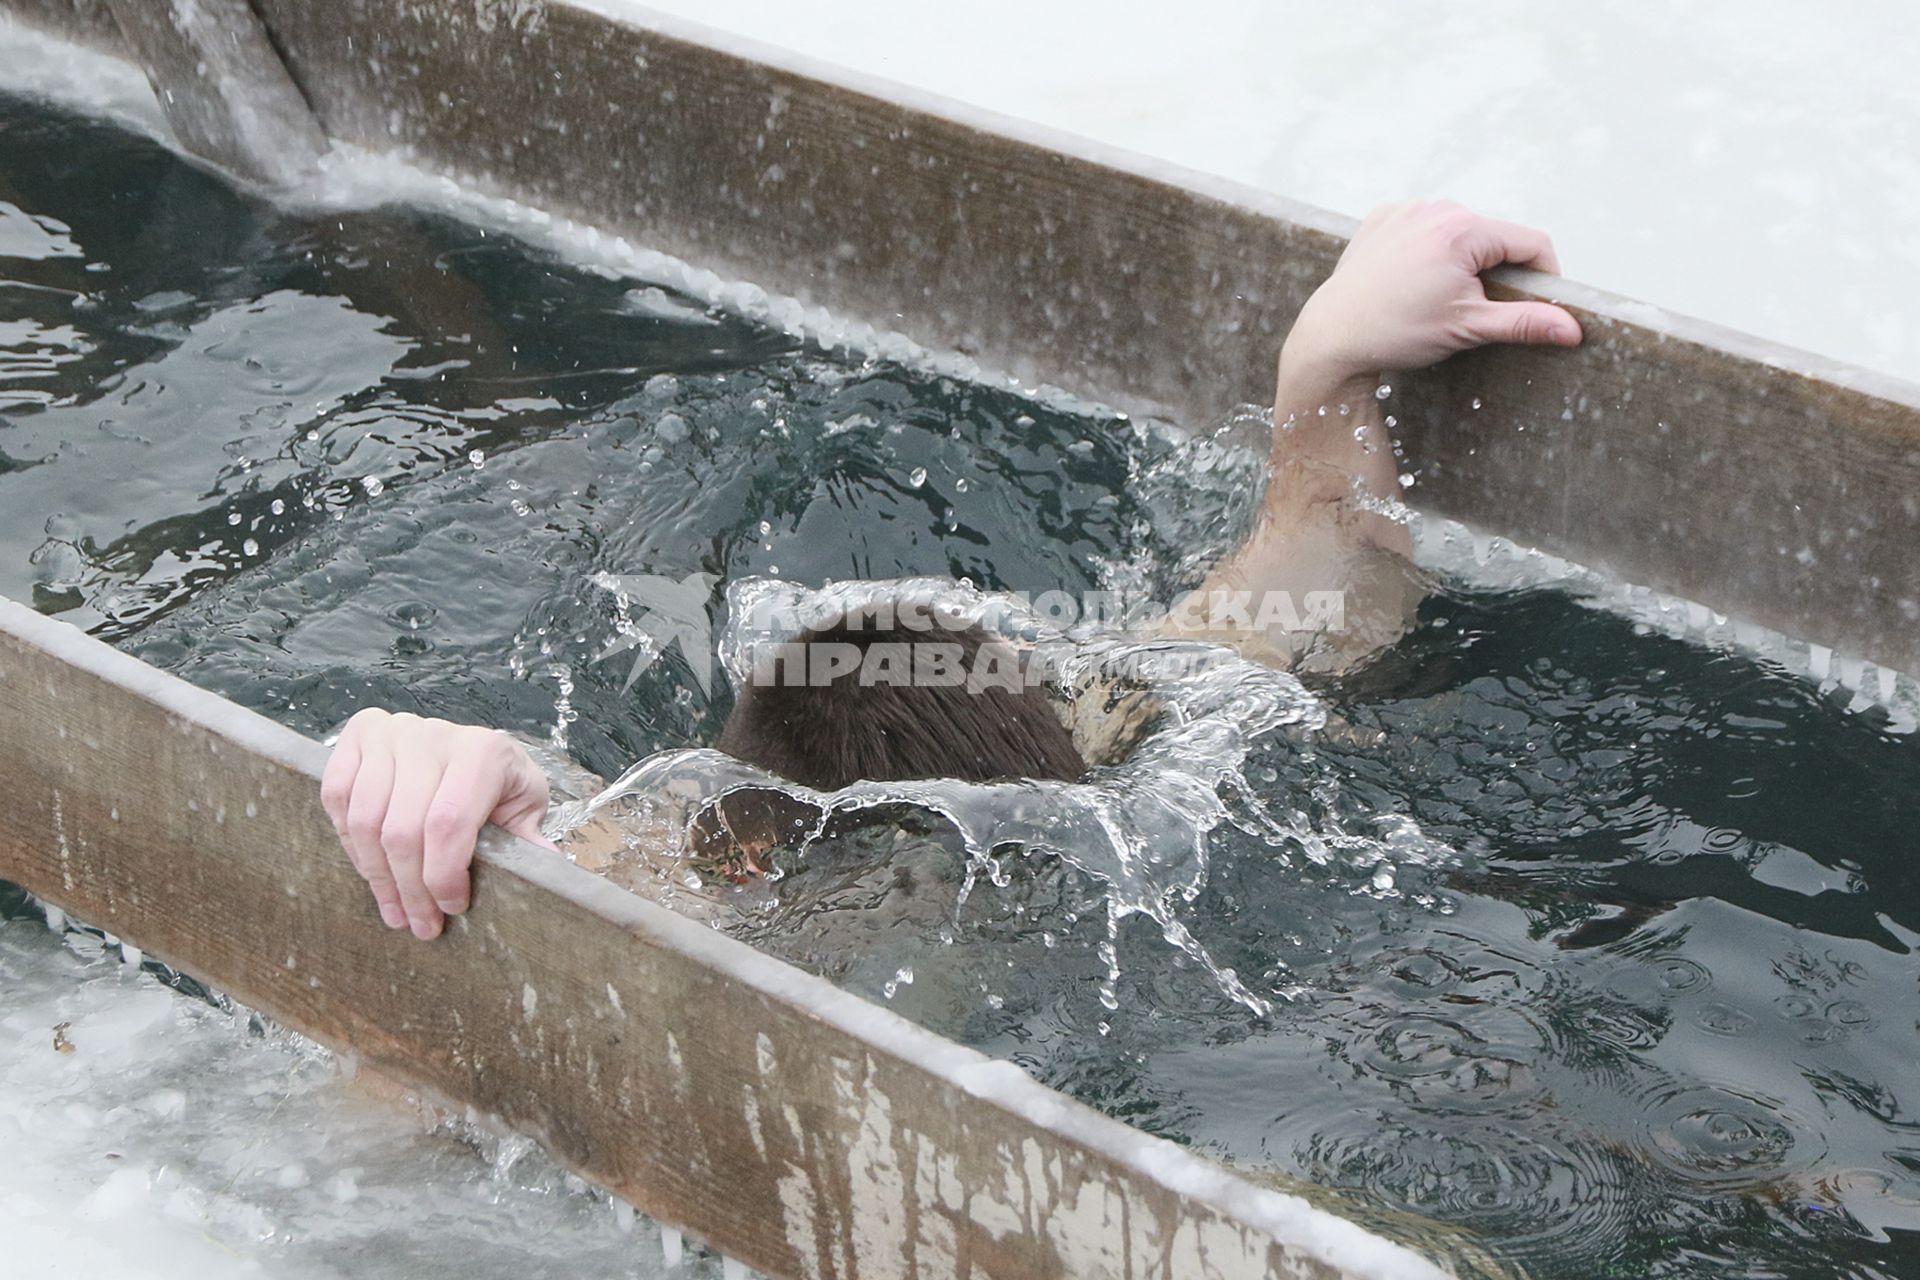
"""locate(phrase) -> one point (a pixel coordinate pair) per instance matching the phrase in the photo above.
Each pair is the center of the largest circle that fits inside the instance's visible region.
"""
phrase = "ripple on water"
(1458, 1031)
(1851, 1014)
(1818, 1031)
(1481, 1060)
(1658, 978)
(1469, 971)
(1536, 1195)
(1630, 1009)
(1796, 1005)
(1723, 1020)
(1610, 1033)
(1716, 1138)
(1723, 840)
(1425, 971)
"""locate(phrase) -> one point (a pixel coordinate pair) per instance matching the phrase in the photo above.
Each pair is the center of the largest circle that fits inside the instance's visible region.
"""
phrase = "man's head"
(879, 697)
(873, 697)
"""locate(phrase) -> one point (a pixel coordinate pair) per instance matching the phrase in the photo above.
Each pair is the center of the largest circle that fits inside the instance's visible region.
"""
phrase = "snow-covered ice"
(148, 1135)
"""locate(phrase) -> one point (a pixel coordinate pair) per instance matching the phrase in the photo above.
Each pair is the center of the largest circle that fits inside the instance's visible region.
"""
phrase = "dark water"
(1655, 1015)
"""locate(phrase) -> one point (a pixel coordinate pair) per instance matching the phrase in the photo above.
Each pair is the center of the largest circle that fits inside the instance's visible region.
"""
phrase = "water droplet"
(1795, 1006)
(250, 547)
(1406, 480)
(478, 458)
(1382, 878)
(1382, 391)
(918, 478)
(1476, 402)
(278, 508)
(1677, 976)
(233, 517)
(1849, 1013)
(901, 978)
(1723, 1020)
(374, 485)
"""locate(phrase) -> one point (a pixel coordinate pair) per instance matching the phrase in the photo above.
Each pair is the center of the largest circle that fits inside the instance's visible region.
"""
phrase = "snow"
(151, 1136)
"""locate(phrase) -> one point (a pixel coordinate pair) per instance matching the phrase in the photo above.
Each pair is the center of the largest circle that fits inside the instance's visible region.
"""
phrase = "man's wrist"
(1314, 369)
(1311, 380)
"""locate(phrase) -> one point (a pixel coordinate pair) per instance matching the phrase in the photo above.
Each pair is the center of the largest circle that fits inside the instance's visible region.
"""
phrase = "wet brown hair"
(826, 734)
(829, 733)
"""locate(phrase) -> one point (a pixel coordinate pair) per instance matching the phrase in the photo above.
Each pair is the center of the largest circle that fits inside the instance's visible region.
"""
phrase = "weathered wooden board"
(89, 22)
(800, 1128)
(1765, 483)
(223, 87)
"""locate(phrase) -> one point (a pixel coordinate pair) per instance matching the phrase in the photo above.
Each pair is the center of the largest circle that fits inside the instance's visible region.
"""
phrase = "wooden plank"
(86, 22)
(797, 1127)
(222, 86)
(1763, 482)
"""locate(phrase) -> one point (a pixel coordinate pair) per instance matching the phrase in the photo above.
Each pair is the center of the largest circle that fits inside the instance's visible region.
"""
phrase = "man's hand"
(408, 798)
(1404, 295)
(1407, 294)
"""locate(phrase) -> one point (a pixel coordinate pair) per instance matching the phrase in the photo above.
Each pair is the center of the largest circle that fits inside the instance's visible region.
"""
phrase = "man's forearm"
(1405, 294)
(1320, 531)
(1332, 458)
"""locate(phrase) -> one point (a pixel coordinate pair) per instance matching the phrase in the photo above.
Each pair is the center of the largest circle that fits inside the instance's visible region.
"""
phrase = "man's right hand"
(408, 797)
(1406, 294)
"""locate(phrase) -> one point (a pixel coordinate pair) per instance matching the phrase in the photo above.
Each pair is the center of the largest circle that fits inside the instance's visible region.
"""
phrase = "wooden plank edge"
(127, 814)
(1763, 482)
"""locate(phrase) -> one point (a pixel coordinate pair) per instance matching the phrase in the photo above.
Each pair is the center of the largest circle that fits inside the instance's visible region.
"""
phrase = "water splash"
(1138, 827)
